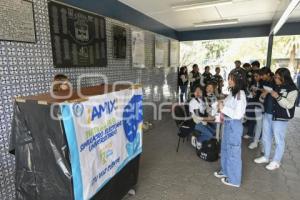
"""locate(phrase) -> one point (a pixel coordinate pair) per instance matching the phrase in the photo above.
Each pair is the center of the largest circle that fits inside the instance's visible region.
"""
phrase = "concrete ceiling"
(248, 12)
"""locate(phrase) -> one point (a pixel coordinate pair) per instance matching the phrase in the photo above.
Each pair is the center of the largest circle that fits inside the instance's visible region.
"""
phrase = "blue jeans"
(206, 132)
(183, 89)
(259, 124)
(231, 158)
(275, 129)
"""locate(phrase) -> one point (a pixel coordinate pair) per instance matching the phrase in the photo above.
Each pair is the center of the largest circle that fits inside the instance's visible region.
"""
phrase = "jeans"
(183, 89)
(276, 129)
(259, 123)
(206, 132)
(231, 158)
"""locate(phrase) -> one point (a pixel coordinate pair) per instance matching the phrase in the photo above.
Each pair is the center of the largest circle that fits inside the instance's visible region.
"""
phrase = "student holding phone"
(283, 98)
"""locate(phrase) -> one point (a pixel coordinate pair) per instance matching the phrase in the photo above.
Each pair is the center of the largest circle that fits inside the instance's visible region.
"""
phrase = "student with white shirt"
(233, 108)
(197, 109)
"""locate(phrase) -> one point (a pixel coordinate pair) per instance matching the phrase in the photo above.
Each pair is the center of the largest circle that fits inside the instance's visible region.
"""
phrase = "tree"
(215, 48)
(287, 46)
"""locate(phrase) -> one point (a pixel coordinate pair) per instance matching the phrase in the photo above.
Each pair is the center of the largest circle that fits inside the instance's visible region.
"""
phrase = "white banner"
(103, 134)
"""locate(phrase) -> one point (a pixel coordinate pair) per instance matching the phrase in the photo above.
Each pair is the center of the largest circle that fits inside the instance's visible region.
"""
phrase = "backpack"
(209, 151)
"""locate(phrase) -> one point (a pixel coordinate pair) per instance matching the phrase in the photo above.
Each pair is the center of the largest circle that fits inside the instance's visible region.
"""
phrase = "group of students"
(259, 101)
(195, 78)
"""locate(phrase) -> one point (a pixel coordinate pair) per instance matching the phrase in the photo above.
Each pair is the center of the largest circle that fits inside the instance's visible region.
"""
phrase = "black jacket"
(282, 111)
(268, 101)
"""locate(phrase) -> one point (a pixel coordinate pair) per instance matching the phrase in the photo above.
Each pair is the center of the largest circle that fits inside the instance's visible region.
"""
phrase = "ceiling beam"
(285, 9)
(238, 32)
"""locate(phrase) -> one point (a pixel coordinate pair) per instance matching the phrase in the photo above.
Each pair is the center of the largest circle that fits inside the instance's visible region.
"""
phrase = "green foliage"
(224, 52)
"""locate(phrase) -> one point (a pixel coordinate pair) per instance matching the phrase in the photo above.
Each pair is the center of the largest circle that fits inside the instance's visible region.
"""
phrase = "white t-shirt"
(197, 105)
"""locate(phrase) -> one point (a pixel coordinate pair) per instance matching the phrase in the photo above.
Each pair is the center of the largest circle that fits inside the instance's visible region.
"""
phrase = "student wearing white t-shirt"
(197, 109)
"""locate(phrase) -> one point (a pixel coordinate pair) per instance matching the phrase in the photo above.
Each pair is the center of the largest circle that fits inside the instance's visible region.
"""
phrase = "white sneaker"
(261, 160)
(246, 136)
(219, 174)
(131, 192)
(225, 181)
(198, 145)
(193, 141)
(272, 166)
(253, 145)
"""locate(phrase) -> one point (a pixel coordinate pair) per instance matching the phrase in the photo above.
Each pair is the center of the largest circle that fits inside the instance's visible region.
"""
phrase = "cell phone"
(268, 89)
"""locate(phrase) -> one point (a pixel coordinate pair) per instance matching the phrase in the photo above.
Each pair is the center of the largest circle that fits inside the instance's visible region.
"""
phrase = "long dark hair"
(266, 70)
(285, 76)
(240, 81)
(194, 90)
(181, 71)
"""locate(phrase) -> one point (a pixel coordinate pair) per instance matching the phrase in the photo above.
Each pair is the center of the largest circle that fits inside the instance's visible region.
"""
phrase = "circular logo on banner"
(78, 109)
(132, 117)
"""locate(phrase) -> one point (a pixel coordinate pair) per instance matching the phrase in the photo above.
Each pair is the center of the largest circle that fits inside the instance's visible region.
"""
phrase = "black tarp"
(43, 169)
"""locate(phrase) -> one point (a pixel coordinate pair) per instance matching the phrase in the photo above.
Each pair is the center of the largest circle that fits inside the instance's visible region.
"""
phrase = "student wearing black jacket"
(284, 95)
(256, 89)
(183, 82)
(207, 76)
(195, 78)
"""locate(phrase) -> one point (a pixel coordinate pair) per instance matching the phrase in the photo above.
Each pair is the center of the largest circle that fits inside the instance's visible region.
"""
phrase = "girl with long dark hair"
(233, 108)
(284, 95)
(183, 82)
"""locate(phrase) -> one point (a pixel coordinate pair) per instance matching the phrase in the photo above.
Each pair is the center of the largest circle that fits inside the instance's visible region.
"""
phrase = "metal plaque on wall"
(17, 21)
(78, 37)
(119, 44)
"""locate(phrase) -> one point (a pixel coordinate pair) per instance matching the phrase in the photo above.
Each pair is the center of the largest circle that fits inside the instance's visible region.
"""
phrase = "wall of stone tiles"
(27, 69)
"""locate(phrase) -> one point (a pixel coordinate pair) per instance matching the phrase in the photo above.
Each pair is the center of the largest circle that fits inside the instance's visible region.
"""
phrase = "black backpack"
(209, 151)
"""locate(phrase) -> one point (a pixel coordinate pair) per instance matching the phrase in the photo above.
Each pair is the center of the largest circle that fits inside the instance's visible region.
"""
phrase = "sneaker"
(219, 174)
(131, 192)
(194, 141)
(225, 182)
(272, 166)
(253, 145)
(246, 136)
(261, 160)
(198, 145)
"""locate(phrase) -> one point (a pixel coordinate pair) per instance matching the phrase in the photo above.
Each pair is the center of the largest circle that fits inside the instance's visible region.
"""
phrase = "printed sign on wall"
(78, 38)
(103, 134)
(119, 42)
(138, 48)
(161, 51)
(174, 53)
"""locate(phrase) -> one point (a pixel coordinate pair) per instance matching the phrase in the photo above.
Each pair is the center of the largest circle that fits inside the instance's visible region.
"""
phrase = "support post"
(270, 49)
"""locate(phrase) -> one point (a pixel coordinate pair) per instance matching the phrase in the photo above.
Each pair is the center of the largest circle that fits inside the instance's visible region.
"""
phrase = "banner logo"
(106, 153)
(133, 117)
(78, 109)
(106, 107)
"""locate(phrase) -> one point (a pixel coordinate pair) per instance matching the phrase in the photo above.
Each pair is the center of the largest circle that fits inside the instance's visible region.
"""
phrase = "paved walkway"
(167, 175)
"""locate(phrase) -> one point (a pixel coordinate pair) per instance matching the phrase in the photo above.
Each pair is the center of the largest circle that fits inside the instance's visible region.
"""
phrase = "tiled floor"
(167, 175)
